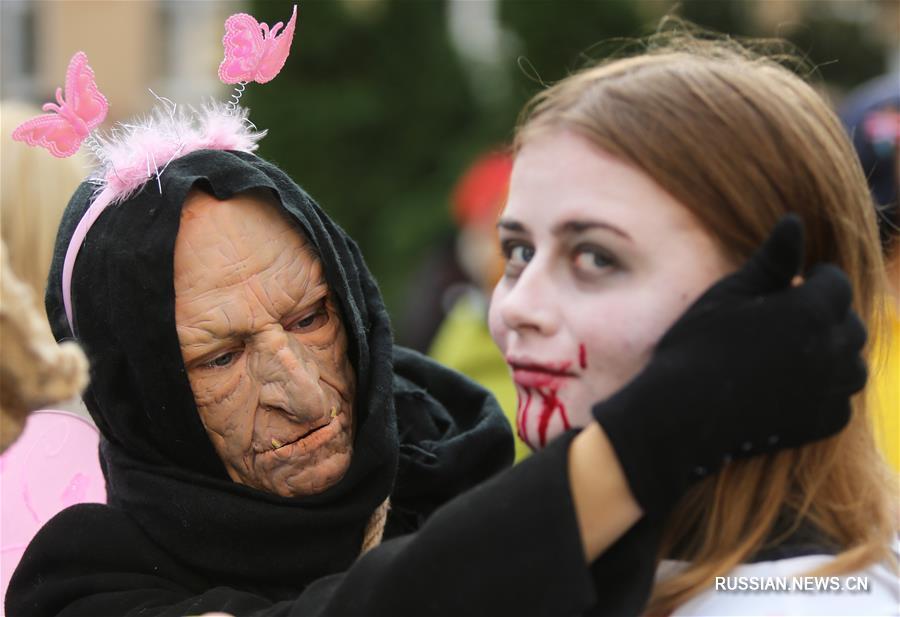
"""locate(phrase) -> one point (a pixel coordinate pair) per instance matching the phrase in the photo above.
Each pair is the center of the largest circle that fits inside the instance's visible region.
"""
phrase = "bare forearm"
(604, 505)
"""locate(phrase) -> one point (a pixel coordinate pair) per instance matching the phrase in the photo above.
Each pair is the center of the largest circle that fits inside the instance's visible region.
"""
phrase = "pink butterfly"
(74, 117)
(253, 52)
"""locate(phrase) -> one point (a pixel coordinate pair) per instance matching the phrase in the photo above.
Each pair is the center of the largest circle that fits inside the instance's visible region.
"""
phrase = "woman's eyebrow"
(569, 228)
(566, 228)
(511, 225)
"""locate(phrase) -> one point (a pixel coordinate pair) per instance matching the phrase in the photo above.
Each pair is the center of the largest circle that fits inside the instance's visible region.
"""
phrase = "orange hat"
(480, 193)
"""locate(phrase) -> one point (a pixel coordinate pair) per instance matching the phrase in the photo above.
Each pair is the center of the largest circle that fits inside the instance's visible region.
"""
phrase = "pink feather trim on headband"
(136, 153)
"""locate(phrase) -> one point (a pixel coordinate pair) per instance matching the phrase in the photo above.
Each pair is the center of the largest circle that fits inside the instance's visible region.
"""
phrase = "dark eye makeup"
(591, 258)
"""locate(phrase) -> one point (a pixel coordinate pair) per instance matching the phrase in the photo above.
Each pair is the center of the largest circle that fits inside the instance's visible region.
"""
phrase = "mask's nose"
(288, 376)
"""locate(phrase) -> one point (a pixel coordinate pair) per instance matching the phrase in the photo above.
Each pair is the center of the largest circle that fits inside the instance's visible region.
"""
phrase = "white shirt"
(782, 588)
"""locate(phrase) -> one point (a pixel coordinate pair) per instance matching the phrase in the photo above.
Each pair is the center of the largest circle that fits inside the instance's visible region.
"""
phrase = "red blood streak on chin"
(522, 427)
(582, 356)
(520, 412)
(563, 415)
(550, 404)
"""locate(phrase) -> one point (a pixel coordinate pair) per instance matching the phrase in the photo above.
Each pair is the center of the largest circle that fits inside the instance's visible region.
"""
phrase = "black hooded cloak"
(179, 537)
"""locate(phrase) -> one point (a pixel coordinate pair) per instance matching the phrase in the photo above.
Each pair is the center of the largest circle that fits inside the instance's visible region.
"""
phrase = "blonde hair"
(34, 190)
(740, 140)
(34, 370)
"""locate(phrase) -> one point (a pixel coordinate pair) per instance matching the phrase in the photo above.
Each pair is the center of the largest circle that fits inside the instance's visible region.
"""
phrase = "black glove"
(753, 366)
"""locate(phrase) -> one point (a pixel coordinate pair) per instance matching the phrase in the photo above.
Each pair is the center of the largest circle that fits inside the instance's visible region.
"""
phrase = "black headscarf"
(160, 466)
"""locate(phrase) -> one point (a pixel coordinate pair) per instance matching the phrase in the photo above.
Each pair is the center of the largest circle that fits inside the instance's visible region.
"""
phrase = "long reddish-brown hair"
(740, 140)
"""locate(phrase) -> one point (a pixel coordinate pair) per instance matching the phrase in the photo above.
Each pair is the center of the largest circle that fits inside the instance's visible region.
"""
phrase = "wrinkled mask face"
(263, 345)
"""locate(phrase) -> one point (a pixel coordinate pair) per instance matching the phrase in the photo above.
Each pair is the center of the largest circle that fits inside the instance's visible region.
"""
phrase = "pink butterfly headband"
(74, 116)
(132, 153)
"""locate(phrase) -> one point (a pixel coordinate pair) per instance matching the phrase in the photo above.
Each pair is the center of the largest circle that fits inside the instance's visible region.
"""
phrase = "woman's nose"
(528, 304)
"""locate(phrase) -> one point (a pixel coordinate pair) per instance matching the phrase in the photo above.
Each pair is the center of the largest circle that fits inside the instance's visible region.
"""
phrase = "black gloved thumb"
(778, 260)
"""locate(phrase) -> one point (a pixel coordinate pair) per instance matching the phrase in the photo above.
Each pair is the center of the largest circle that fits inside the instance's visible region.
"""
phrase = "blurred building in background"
(172, 47)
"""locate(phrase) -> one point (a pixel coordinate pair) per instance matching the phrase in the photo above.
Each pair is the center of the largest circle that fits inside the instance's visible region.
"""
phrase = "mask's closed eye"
(311, 321)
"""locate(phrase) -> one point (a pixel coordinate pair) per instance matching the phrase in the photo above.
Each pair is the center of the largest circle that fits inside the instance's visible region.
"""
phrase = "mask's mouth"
(277, 443)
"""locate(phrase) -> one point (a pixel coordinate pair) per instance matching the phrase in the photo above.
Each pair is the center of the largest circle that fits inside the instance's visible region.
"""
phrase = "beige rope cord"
(375, 527)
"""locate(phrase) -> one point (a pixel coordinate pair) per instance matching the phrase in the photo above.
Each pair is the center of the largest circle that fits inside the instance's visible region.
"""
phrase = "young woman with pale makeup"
(637, 185)
(592, 281)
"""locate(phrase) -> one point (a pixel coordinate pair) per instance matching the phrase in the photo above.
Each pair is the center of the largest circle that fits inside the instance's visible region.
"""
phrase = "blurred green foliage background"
(377, 112)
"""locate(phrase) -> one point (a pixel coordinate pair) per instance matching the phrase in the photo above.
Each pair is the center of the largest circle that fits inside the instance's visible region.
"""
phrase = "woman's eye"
(226, 359)
(516, 253)
(521, 254)
(311, 322)
(592, 260)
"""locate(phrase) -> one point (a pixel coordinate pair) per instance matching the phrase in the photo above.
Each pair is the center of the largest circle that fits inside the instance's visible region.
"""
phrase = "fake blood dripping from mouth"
(545, 379)
(522, 416)
(550, 404)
